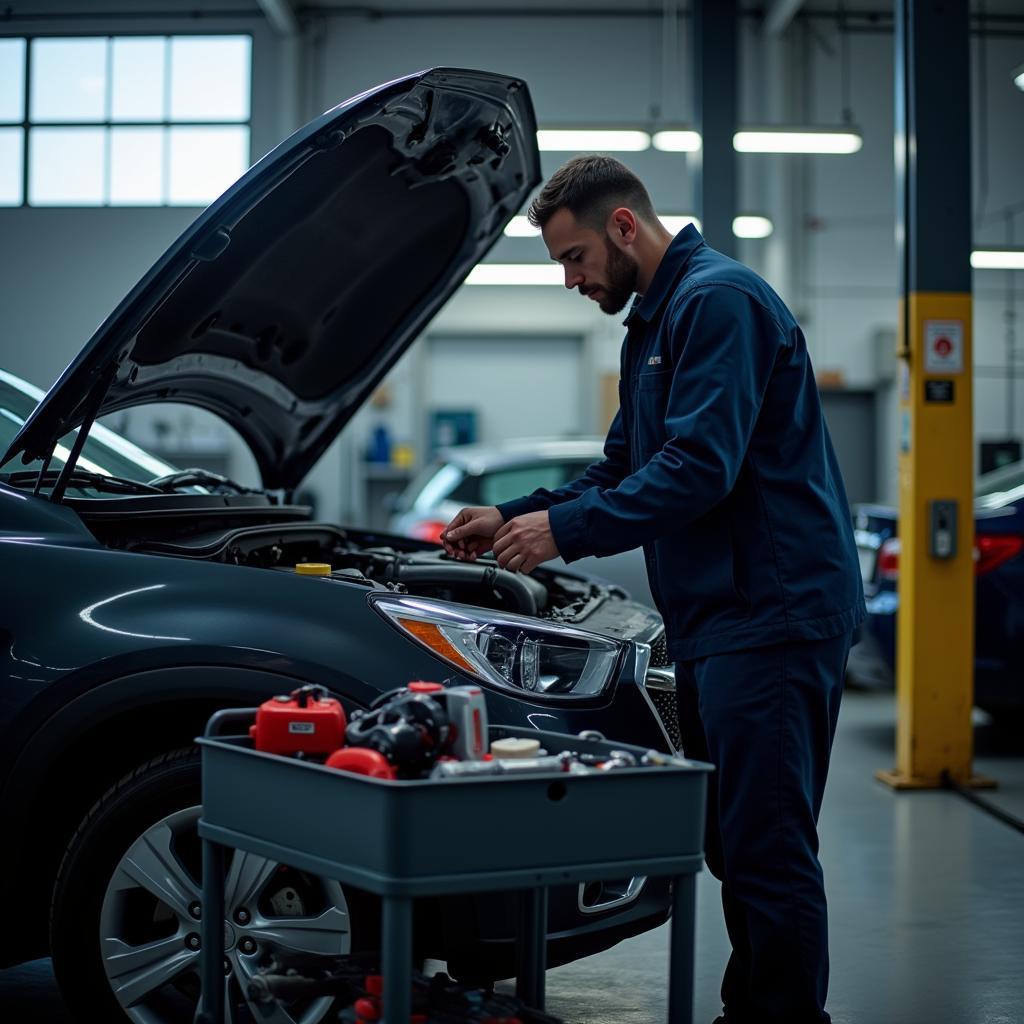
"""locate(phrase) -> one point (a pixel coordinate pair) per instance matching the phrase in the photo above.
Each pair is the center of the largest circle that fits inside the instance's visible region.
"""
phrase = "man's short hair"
(590, 187)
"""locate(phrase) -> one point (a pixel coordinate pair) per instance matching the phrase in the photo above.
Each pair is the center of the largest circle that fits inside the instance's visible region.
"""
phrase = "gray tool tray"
(407, 838)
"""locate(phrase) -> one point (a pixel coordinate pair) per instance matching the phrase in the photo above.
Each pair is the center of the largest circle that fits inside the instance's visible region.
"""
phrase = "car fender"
(88, 743)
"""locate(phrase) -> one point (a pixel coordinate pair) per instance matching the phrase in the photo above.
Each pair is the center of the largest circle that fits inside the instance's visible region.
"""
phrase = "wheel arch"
(67, 764)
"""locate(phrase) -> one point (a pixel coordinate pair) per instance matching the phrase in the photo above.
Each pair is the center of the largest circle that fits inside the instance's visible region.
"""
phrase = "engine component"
(410, 730)
(467, 718)
(515, 746)
(522, 594)
(305, 722)
(362, 761)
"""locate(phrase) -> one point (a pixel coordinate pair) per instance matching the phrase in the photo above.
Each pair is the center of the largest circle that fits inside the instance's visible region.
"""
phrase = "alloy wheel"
(150, 927)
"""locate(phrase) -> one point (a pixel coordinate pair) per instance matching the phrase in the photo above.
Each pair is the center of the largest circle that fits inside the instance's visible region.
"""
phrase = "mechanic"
(720, 465)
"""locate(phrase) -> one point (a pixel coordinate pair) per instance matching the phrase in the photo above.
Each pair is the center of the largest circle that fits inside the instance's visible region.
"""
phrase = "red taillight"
(889, 559)
(429, 529)
(991, 551)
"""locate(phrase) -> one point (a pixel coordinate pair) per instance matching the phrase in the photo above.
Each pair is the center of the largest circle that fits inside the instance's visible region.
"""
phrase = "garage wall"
(63, 270)
(832, 256)
(845, 283)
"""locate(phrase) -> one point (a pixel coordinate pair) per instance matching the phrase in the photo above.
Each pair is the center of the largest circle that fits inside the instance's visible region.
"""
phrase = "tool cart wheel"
(125, 921)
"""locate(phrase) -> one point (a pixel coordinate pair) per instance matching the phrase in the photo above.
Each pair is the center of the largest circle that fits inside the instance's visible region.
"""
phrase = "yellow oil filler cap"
(313, 569)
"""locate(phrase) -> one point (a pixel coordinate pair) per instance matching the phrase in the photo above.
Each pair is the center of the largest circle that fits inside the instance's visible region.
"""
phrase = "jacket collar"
(665, 277)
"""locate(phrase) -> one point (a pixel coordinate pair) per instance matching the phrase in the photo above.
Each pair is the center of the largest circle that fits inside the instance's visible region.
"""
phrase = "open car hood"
(289, 298)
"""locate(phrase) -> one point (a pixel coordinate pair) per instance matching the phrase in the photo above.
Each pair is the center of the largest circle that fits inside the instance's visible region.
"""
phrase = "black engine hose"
(510, 584)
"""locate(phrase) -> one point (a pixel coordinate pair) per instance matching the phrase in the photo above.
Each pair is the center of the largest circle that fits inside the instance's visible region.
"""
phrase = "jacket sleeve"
(608, 472)
(724, 345)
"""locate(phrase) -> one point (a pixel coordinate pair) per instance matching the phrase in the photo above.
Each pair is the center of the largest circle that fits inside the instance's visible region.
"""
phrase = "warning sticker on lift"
(943, 346)
(939, 391)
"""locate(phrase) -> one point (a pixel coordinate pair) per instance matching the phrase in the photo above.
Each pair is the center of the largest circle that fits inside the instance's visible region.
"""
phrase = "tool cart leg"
(532, 951)
(211, 999)
(680, 964)
(396, 959)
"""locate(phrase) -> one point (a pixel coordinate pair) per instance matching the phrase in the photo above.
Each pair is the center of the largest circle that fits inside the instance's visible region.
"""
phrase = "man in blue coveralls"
(719, 465)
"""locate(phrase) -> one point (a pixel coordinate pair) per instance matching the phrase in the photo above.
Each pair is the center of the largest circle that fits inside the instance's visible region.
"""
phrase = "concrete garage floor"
(926, 895)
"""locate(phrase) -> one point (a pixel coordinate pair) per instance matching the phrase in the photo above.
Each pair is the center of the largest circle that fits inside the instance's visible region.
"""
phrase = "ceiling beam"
(778, 15)
(281, 16)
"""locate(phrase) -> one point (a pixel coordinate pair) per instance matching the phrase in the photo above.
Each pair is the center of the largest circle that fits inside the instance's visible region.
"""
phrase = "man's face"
(593, 264)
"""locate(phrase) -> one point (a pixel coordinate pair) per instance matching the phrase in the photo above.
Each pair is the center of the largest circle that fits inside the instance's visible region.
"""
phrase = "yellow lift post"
(935, 639)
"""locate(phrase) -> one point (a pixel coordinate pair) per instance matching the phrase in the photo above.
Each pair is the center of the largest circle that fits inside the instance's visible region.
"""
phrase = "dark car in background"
(139, 598)
(999, 592)
(489, 474)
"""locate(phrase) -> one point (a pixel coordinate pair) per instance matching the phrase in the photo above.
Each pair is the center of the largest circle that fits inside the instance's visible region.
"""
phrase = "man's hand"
(470, 533)
(524, 542)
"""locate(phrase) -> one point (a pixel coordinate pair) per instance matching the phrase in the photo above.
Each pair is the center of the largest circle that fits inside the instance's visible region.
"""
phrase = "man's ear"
(622, 226)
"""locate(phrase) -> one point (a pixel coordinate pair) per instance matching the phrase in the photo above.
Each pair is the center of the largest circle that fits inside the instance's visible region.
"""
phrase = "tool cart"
(557, 828)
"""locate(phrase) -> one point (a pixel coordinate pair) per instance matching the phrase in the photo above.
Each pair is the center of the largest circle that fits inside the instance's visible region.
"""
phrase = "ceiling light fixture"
(677, 141)
(575, 140)
(1018, 78)
(797, 140)
(747, 225)
(997, 259)
(520, 227)
(751, 225)
(516, 273)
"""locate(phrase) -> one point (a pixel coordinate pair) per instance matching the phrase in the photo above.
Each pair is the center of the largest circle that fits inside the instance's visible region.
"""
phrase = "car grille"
(665, 704)
(659, 652)
(664, 700)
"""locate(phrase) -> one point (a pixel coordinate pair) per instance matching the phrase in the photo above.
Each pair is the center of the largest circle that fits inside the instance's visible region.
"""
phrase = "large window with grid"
(123, 120)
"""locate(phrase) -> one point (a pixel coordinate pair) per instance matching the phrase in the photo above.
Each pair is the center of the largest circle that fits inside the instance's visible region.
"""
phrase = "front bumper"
(479, 931)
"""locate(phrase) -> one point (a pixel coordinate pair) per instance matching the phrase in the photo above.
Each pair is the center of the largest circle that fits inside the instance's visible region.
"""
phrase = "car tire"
(95, 911)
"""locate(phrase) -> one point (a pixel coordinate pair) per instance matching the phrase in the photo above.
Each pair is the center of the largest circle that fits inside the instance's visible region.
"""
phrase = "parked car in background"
(999, 592)
(488, 474)
(139, 598)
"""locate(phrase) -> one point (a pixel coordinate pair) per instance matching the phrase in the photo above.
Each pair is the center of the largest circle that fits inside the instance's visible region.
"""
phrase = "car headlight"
(509, 651)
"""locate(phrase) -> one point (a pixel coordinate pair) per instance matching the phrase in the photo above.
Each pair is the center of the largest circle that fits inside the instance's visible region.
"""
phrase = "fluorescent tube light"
(1018, 78)
(796, 140)
(573, 140)
(998, 259)
(677, 141)
(516, 273)
(520, 227)
(752, 226)
(744, 226)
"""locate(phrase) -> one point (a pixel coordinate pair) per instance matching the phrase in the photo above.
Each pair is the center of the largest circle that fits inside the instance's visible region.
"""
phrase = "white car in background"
(488, 474)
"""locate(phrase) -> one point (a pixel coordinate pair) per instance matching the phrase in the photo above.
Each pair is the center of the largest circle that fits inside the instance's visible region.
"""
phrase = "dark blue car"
(999, 592)
(138, 598)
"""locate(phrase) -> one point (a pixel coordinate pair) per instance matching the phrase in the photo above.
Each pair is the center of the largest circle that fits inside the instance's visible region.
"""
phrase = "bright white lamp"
(608, 140)
(797, 140)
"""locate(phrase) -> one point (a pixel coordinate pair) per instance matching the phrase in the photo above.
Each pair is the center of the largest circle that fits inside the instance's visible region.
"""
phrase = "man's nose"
(572, 279)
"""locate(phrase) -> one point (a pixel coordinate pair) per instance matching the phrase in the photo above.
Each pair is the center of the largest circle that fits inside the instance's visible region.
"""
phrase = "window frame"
(165, 123)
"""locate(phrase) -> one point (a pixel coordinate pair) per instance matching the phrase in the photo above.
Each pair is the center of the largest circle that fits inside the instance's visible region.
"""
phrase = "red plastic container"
(307, 721)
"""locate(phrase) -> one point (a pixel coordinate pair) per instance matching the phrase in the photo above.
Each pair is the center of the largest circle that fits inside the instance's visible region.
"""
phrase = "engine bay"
(404, 566)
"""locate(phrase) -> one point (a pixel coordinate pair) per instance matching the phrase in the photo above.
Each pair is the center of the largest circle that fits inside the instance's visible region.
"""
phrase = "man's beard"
(620, 272)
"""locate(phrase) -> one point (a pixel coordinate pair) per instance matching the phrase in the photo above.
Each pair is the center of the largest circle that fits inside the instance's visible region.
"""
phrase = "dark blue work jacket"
(719, 465)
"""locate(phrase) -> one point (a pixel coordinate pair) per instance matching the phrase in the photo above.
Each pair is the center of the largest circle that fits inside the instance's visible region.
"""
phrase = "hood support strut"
(91, 410)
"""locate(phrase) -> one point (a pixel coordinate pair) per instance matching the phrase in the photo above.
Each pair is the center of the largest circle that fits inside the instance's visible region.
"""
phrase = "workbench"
(427, 838)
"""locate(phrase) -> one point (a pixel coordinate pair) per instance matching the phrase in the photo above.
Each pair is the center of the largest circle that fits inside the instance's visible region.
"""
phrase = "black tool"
(411, 730)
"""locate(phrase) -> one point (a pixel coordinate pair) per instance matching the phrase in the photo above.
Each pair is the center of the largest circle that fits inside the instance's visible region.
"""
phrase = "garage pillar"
(716, 101)
(935, 640)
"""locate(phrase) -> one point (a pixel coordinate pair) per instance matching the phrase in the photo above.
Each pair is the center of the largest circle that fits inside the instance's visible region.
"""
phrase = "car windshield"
(104, 452)
(1000, 487)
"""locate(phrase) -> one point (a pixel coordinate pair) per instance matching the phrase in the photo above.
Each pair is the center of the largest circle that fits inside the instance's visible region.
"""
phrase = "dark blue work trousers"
(765, 718)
